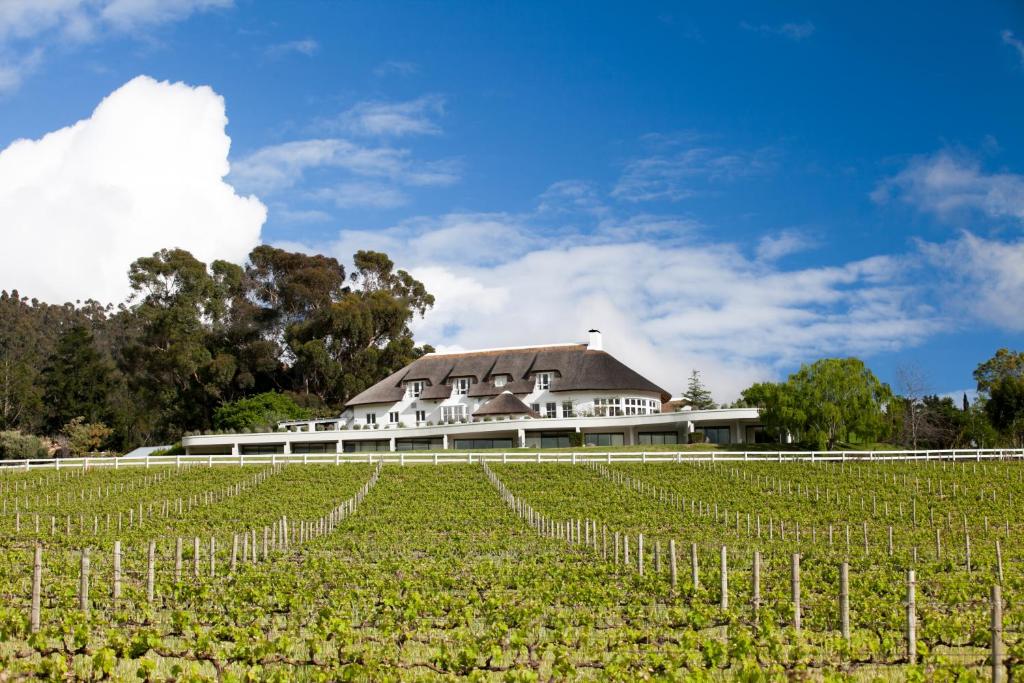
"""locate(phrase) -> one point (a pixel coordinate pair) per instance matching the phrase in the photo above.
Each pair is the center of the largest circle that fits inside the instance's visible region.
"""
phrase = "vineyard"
(515, 572)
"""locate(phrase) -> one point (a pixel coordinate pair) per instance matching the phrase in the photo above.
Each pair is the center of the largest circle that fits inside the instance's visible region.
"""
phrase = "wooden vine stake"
(795, 586)
(756, 580)
(694, 569)
(725, 578)
(997, 634)
(83, 582)
(844, 600)
(911, 618)
(151, 572)
(37, 587)
(672, 563)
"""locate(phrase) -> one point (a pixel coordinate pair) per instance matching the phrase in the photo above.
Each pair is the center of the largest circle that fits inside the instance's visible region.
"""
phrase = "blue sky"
(734, 187)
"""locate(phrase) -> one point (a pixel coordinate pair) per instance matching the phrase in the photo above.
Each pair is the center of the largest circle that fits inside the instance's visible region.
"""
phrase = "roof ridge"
(506, 349)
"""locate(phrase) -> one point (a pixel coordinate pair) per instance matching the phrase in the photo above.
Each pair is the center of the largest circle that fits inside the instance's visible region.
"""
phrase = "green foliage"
(697, 395)
(1005, 407)
(85, 437)
(1005, 363)
(258, 411)
(830, 400)
(78, 381)
(17, 446)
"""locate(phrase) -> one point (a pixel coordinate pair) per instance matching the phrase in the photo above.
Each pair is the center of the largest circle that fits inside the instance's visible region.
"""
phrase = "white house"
(531, 396)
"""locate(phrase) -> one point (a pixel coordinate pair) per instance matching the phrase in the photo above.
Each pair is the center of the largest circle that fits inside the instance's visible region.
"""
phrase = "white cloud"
(393, 119)
(1016, 43)
(145, 171)
(370, 176)
(792, 30)
(665, 307)
(396, 67)
(786, 242)
(28, 27)
(306, 46)
(676, 175)
(945, 184)
(983, 278)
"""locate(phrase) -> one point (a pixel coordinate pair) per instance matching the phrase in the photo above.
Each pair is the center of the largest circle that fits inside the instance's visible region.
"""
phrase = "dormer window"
(500, 380)
(461, 386)
(414, 389)
(543, 381)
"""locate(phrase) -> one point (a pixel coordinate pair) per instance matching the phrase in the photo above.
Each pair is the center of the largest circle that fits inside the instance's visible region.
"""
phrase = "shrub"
(696, 437)
(17, 446)
(575, 439)
(85, 437)
(269, 407)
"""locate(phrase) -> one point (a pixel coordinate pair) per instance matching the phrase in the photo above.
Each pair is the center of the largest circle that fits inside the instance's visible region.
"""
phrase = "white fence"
(569, 457)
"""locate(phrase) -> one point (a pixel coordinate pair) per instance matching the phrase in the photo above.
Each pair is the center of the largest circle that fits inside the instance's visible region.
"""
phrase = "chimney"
(595, 341)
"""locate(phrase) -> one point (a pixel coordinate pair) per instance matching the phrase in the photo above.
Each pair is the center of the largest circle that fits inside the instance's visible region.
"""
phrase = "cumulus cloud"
(665, 307)
(145, 171)
(784, 243)
(946, 183)
(396, 68)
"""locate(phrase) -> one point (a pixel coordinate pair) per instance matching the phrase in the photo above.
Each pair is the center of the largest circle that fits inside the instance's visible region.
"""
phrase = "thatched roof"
(574, 367)
(504, 403)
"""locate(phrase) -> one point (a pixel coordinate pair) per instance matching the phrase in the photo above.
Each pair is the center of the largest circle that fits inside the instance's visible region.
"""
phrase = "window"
(462, 386)
(417, 444)
(421, 416)
(477, 444)
(393, 417)
(535, 407)
(657, 438)
(551, 410)
(636, 406)
(716, 434)
(554, 440)
(567, 409)
(259, 449)
(500, 380)
(329, 447)
(371, 418)
(366, 446)
(414, 389)
(543, 381)
(606, 407)
(603, 439)
(453, 413)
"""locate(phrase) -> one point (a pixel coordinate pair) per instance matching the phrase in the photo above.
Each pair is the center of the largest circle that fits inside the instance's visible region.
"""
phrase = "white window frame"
(607, 407)
(542, 381)
(500, 381)
(461, 386)
(568, 409)
(421, 416)
(414, 388)
(551, 409)
(393, 417)
(371, 418)
(453, 413)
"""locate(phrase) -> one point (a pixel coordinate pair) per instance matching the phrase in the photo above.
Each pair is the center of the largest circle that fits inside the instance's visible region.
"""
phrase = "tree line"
(839, 401)
(192, 338)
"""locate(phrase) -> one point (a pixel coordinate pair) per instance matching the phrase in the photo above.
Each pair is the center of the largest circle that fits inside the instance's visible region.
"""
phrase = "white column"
(521, 433)
(444, 441)
(311, 426)
(737, 432)
(234, 449)
(287, 447)
(340, 447)
(391, 443)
